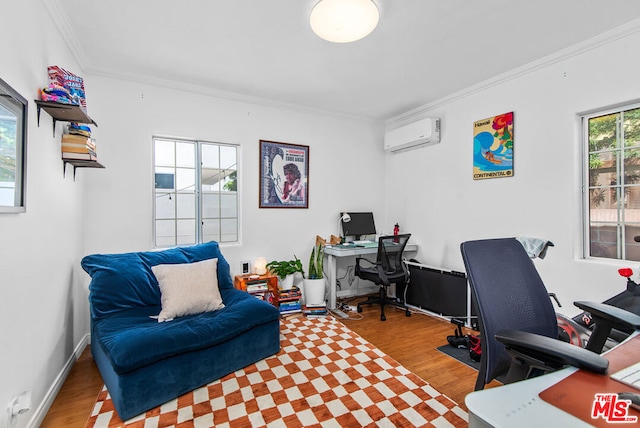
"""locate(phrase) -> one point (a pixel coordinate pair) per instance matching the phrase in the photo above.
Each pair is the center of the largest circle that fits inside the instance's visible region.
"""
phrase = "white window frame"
(586, 194)
(199, 194)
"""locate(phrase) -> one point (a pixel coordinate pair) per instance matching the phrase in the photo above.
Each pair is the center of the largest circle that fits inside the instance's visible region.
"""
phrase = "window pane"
(210, 156)
(186, 205)
(614, 185)
(603, 133)
(185, 180)
(228, 157)
(165, 232)
(603, 168)
(210, 205)
(211, 230)
(229, 205)
(165, 205)
(185, 155)
(188, 211)
(164, 153)
(228, 230)
(186, 231)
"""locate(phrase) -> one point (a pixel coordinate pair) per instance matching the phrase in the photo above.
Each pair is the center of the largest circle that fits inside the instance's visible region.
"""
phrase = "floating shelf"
(77, 163)
(63, 112)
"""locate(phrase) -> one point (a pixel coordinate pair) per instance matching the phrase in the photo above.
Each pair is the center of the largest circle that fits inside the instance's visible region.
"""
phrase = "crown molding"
(60, 21)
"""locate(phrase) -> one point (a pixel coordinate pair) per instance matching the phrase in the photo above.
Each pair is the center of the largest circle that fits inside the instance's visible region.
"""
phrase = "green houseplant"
(315, 262)
(285, 270)
(314, 284)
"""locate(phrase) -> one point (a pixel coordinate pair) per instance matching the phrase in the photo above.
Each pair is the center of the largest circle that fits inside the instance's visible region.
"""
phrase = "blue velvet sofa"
(145, 363)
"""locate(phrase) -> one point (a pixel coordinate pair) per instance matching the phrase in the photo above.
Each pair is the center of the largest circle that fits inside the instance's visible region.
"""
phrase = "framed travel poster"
(284, 175)
(493, 147)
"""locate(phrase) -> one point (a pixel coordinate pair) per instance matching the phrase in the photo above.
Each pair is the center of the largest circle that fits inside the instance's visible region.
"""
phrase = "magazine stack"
(315, 311)
(289, 301)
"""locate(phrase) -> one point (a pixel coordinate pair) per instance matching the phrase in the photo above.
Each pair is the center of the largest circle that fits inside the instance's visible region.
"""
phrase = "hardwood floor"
(412, 341)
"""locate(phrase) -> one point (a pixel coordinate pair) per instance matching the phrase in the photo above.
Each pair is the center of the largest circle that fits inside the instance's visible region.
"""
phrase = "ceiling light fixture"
(344, 21)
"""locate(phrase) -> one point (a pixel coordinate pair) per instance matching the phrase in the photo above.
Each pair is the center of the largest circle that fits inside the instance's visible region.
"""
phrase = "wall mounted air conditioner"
(421, 133)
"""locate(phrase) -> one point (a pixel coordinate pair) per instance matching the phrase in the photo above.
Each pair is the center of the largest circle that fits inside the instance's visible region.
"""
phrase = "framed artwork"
(13, 150)
(284, 175)
(493, 147)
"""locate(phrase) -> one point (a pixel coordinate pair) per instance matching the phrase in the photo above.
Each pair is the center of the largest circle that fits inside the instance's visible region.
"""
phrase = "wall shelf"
(78, 163)
(64, 113)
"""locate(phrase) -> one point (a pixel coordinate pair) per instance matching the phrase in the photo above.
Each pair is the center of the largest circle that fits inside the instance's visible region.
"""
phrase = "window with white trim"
(612, 179)
(195, 192)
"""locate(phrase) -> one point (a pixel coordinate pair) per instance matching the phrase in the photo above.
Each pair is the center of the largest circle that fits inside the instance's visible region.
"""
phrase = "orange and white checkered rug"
(325, 375)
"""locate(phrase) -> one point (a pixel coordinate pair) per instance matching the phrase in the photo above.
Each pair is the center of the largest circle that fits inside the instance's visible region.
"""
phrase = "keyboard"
(629, 375)
(364, 241)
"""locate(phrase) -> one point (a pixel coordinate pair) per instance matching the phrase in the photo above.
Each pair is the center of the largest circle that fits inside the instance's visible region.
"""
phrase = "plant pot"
(286, 283)
(314, 290)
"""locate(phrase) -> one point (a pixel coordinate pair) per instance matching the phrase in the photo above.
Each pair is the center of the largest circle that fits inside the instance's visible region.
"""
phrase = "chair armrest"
(618, 316)
(605, 318)
(550, 353)
(365, 259)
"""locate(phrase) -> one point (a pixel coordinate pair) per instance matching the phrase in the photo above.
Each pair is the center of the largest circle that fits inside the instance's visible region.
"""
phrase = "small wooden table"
(263, 287)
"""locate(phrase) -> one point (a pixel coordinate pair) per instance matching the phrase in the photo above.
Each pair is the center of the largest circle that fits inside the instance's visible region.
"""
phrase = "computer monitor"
(360, 224)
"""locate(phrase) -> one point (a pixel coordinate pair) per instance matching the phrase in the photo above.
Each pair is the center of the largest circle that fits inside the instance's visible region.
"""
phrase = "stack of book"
(77, 144)
(259, 289)
(289, 301)
(315, 311)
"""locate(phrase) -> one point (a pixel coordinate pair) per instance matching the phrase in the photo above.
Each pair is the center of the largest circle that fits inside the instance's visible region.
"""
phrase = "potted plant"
(285, 271)
(314, 285)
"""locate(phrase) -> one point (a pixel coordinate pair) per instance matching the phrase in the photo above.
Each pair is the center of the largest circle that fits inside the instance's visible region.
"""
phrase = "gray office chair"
(517, 321)
(389, 268)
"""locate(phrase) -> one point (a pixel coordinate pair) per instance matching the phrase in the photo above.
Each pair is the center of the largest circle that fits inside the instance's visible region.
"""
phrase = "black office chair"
(389, 268)
(517, 321)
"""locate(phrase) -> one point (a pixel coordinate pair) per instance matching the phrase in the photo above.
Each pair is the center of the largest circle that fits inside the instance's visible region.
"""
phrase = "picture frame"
(284, 175)
(13, 150)
(493, 147)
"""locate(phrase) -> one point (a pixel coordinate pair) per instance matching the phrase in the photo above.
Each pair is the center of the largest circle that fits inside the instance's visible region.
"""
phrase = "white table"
(333, 251)
(519, 404)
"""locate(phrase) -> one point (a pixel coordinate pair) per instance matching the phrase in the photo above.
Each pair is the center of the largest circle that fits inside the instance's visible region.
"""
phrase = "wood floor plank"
(412, 341)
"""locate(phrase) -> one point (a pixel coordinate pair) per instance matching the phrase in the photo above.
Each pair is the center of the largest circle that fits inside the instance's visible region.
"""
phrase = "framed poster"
(493, 147)
(284, 174)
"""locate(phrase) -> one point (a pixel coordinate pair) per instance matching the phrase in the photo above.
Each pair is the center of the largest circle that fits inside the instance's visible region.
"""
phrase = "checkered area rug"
(325, 375)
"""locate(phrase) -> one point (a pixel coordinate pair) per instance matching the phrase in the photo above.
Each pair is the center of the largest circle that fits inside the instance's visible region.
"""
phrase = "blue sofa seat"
(145, 363)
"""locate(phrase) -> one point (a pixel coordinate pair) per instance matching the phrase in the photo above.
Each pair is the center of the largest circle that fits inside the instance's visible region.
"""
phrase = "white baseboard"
(47, 401)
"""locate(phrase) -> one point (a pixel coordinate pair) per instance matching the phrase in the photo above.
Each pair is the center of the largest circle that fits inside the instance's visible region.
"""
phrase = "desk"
(349, 251)
(519, 404)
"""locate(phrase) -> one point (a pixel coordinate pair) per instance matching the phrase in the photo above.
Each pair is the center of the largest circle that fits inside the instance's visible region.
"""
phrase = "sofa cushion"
(125, 281)
(132, 338)
(188, 288)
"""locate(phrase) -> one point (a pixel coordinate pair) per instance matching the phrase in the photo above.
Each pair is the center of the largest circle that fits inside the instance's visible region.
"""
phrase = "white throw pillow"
(189, 288)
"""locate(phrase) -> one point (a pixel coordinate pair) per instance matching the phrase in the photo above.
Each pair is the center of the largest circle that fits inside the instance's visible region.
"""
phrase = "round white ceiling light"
(344, 21)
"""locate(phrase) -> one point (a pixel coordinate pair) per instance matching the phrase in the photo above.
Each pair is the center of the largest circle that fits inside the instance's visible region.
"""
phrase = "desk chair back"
(509, 294)
(389, 268)
(389, 262)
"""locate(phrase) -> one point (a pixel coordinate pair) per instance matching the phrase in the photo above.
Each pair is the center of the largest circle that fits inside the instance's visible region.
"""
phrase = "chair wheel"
(383, 318)
(359, 309)
(407, 313)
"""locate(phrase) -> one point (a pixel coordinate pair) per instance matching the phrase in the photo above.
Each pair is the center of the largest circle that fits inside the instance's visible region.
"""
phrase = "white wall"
(442, 205)
(43, 303)
(43, 310)
(346, 167)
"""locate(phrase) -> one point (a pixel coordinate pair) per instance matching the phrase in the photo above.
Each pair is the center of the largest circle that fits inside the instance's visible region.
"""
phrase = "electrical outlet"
(19, 405)
(246, 266)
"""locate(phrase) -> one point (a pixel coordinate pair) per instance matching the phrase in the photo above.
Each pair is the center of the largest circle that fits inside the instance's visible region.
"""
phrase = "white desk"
(519, 404)
(349, 251)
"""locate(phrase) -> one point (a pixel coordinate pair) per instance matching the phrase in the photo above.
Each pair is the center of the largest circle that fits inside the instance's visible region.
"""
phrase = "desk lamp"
(344, 218)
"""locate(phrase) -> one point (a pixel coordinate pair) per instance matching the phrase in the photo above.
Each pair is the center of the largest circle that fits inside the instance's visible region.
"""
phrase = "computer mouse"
(631, 396)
